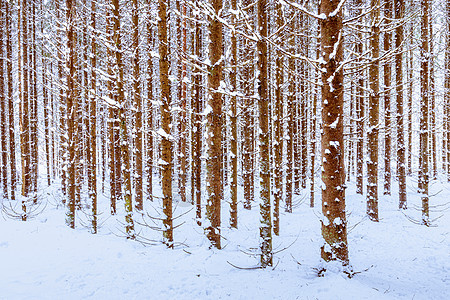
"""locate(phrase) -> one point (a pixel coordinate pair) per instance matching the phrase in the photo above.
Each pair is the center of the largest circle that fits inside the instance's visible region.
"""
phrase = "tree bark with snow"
(334, 224)
(214, 179)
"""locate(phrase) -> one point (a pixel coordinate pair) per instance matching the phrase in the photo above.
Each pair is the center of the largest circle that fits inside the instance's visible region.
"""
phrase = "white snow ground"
(398, 259)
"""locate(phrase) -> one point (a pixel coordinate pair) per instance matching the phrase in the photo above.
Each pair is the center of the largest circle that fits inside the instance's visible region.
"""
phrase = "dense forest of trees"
(215, 103)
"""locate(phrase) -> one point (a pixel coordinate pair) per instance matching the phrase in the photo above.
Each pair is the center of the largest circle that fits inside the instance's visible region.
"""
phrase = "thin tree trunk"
(196, 103)
(138, 107)
(263, 93)
(182, 179)
(150, 98)
(290, 125)
(424, 91)
(360, 108)
(387, 100)
(447, 92)
(4, 155)
(113, 160)
(25, 113)
(372, 133)
(278, 128)
(166, 122)
(433, 156)
(12, 138)
(93, 122)
(72, 99)
(234, 124)
(124, 137)
(401, 163)
(247, 56)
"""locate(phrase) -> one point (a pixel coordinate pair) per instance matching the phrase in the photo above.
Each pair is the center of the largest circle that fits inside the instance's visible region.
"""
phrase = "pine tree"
(214, 177)
(166, 122)
(401, 163)
(263, 101)
(372, 133)
(424, 126)
(334, 224)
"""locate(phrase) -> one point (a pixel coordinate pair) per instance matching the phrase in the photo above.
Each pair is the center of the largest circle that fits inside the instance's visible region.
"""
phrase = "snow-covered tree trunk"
(399, 8)
(214, 179)
(334, 223)
(424, 111)
(166, 122)
(374, 97)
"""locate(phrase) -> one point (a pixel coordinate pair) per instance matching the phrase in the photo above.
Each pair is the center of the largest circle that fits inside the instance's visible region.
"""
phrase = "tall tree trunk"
(124, 137)
(372, 133)
(4, 154)
(33, 106)
(360, 107)
(424, 91)
(334, 224)
(150, 98)
(278, 127)
(399, 6)
(25, 112)
(71, 101)
(263, 100)
(166, 122)
(93, 121)
(290, 123)
(12, 138)
(433, 157)
(410, 92)
(182, 151)
(234, 125)
(138, 107)
(214, 127)
(387, 100)
(247, 56)
(196, 103)
(447, 92)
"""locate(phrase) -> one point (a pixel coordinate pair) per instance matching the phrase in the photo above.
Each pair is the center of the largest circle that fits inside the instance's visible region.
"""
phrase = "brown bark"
(401, 163)
(387, 100)
(166, 122)
(278, 128)
(410, 95)
(247, 56)
(138, 151)
(33, 106)
(113, 160)
(334, 225)
(196, 103)
(71, 101)
(124, 137)
(234, 125)
(263, 101)
(214, 177)
(424, 127)
(372, 133)
(446, 137)
(290, 127)
(150, 98)
(93, 122)
(182, 151)
(360, 108)
(4, 154)
(12, 139)
(25, 112)
(433, 157)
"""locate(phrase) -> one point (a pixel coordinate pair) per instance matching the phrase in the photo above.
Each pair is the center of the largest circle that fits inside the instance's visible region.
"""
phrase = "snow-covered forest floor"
(393, 259)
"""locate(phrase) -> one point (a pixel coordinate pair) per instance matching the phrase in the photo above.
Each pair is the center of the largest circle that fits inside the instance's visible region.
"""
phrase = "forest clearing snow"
(397, 259)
